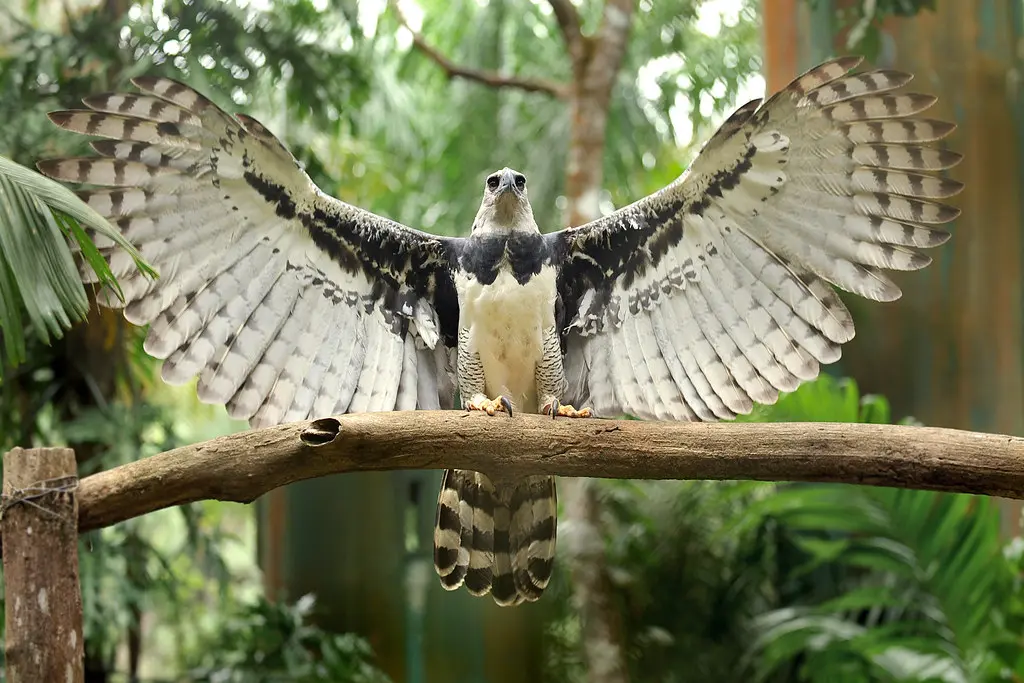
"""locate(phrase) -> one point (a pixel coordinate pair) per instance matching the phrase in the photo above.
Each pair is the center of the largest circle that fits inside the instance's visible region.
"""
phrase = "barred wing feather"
(717, 291)
(285, 302)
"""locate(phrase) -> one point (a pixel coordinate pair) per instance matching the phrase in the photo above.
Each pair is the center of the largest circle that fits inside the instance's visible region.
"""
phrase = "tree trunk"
(596, 64)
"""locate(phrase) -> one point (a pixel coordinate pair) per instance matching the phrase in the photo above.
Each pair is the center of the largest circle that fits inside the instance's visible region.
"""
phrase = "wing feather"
(408, 387)
(258, 383)
(427, 381)
(734, 306)
(628, 342)
(704, 367)
(721, 285)
(343, 378)
(694, 404)
(628, 392)
(220, 380)
(286, 303)
(333, 331)
(661, 392)
(306, 330)
(598, 359)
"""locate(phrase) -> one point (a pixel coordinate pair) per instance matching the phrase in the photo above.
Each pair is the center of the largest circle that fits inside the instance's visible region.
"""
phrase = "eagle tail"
(498, 540)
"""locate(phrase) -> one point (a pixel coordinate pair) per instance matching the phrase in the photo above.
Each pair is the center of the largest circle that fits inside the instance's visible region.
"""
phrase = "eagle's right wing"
(287, 303)
(716, 292)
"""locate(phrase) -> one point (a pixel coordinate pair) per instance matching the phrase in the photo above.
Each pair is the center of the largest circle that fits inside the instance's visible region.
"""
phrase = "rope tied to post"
(33, 495)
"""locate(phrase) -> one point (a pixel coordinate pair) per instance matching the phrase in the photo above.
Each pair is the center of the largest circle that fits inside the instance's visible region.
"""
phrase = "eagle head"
(505, 205)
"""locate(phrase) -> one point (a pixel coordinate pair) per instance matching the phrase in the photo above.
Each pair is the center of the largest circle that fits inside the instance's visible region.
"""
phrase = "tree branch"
(572, 31)
(612, 42)
(487, 77)
(241, 467)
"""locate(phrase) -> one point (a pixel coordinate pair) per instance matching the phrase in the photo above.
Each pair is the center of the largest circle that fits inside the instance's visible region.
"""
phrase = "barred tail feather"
(498, 540)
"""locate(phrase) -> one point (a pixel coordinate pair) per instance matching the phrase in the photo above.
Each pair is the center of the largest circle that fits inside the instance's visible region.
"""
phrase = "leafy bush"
(888, 584)
(273, 643)
(752, 581)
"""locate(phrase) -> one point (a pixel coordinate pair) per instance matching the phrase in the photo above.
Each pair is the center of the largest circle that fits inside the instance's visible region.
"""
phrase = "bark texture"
(43, 616)
(242, 467)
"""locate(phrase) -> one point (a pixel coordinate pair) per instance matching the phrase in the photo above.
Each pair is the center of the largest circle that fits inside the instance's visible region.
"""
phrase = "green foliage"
(826, 399)
(233, 52)
(921, 577)
(885, 584)
(864, 18)
(425, 142)
(166, 564)
(266, 642)
(814, 583)
(40, 285)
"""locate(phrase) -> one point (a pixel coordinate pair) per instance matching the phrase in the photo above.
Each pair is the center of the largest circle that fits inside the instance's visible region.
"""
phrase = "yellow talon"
(556, 409)
(490, 405)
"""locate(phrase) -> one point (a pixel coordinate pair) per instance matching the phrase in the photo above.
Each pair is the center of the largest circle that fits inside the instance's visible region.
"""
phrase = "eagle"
(694, 303)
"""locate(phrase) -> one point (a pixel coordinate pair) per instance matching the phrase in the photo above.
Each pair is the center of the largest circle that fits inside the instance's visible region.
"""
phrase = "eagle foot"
(556, 409)
(490, 405)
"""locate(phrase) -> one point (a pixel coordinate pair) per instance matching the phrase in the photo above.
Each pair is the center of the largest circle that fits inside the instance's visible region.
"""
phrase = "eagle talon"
(556, 409)
(490, 406)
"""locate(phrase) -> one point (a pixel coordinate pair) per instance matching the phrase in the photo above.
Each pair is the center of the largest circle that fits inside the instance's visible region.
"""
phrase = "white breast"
(506, 323)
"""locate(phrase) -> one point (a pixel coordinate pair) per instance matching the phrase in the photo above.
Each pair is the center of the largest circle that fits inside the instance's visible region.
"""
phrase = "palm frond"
(40, 285)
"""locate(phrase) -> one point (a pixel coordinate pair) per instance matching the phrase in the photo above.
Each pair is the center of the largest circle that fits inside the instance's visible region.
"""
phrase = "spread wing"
(716, 292)
(286, 303)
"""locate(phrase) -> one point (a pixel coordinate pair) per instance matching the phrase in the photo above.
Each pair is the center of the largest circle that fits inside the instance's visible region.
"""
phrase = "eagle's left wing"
(716, 292)
(285, 302)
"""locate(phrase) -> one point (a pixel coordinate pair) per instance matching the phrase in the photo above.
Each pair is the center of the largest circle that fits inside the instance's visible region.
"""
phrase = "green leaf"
(39, 279)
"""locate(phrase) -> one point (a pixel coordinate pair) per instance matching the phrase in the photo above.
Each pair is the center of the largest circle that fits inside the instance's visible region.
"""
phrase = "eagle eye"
(492, 182)
(520, 181)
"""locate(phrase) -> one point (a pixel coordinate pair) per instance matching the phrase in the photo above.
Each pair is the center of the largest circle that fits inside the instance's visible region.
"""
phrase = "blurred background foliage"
(716, 581)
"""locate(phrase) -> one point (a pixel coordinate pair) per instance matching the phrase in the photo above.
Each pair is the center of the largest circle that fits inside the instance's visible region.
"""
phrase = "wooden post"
(40, 556)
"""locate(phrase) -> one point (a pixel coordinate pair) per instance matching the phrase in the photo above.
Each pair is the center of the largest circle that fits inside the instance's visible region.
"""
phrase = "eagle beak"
(507, 183)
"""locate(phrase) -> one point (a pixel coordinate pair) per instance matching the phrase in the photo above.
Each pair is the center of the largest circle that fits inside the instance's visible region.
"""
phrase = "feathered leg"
(550, 377)
(472, 383)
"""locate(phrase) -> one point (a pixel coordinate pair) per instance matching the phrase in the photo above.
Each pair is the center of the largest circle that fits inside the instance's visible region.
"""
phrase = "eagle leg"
(556, 409)
(490, 405)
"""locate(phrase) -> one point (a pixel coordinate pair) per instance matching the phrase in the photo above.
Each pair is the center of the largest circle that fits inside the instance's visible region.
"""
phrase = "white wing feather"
(717, 292)
(285, 302)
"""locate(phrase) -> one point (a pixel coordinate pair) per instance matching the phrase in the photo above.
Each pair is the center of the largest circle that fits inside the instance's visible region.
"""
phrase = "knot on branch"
(35, 493)
(320, 432)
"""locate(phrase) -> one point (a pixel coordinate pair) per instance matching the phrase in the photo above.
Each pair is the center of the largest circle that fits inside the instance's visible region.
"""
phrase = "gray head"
(505, 205)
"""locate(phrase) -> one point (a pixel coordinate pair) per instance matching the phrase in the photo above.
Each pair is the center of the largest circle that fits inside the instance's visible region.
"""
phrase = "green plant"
(864, 18)
(40, 285)
(883, 583)
(264, 642)
(815, 583)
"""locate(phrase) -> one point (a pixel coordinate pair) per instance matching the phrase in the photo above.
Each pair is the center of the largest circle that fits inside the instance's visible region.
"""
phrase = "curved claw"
(553, 407)
(490, 406)
(556, 409)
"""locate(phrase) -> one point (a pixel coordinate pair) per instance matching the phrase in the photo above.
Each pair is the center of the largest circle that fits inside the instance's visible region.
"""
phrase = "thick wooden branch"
(244, 466)
(484, 76)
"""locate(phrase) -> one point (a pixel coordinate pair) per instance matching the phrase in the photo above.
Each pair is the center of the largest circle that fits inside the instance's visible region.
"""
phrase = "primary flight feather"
(694, 303)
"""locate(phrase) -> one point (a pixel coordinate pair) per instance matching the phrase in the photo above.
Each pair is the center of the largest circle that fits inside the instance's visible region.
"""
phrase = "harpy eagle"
(693, 303)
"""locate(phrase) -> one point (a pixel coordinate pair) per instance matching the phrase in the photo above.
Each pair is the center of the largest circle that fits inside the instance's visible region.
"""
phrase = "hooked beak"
(506, 183)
